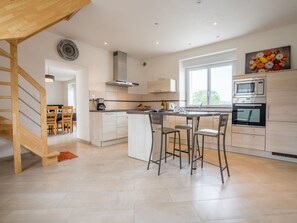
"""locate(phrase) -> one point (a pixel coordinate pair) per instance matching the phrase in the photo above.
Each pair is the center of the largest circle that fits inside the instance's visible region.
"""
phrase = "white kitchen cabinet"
(108, 128)
(122, 124)
(161, 86)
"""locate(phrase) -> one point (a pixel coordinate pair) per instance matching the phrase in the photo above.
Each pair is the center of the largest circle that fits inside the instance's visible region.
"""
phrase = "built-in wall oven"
(249, 111)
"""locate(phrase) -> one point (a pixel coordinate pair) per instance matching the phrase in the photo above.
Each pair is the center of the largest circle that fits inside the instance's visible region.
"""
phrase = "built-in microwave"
(251, 87)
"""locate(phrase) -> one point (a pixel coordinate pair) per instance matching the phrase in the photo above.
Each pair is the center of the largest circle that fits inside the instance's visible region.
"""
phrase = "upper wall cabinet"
(161, 86)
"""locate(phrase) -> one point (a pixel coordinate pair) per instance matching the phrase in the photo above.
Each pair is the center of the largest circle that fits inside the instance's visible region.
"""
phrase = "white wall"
(95, 63)
(95, 69)
(55, 93)
(82, 110)
(70, 93)
(168, 66)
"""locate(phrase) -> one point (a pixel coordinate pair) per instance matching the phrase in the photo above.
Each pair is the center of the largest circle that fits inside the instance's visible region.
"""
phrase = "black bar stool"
(188, 127)
(221, 131)
(156, 121)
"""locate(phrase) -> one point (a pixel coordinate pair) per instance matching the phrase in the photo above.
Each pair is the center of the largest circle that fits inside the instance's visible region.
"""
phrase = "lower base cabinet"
(281, 137)
(248, 141)
(248, 137)
(108, 127)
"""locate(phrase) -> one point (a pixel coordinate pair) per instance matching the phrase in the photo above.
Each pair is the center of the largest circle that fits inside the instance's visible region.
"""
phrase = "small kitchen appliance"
(100, 104)
(251, 87)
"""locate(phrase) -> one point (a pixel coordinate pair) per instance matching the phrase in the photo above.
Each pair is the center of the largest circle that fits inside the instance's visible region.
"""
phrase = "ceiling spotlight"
(105, 43)
(218, 36)
(156, 23)
(215, 23)
(189, 44)
(199, 1)
(157, 43)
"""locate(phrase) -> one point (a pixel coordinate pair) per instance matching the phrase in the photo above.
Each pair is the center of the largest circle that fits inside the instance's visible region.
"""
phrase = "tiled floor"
(105, 185)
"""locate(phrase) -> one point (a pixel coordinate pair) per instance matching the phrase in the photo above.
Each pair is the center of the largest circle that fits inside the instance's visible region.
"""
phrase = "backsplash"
(118, 98)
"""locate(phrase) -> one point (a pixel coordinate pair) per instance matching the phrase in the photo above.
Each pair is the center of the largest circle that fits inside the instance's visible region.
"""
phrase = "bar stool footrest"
(183, 151)
(171, 154)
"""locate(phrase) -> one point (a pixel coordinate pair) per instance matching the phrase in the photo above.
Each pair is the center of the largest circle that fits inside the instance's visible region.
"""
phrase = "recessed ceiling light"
(156, 23)
(189, 44)
(157, 43)
(215, 23)
(199, 1)
(218, 36)
(105, 43)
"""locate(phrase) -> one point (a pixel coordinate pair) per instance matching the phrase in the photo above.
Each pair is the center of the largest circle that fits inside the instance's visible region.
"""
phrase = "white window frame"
(208, 67)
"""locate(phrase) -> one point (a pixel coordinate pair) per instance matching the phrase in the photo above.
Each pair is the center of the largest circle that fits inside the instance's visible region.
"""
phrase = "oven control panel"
(248, 100)
(260, 87)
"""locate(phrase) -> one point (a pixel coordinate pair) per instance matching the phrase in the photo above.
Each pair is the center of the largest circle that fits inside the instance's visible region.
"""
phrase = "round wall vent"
(67, 50)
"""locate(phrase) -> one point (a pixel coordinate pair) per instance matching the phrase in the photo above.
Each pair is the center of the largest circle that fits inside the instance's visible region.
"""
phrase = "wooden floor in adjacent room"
(105, 185)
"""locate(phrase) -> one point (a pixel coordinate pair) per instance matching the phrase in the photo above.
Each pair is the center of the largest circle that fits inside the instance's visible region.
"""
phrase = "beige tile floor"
(105, 185)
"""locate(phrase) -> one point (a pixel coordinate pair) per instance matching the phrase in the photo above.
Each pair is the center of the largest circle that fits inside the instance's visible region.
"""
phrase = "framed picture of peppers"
(268, 60)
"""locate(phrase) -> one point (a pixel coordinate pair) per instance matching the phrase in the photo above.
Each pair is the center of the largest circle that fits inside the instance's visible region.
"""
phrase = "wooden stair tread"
(5, 121)
(5, 83)
(52, 154)
(5, 69)
(5, 110)
(5, 128)
(32, 144)
(4, 53)
(5, 97)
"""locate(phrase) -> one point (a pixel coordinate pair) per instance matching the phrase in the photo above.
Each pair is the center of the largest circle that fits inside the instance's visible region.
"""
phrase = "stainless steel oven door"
(251, 114)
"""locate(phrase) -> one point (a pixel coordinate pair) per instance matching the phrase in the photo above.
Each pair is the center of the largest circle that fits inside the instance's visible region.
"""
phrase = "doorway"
(70, 88)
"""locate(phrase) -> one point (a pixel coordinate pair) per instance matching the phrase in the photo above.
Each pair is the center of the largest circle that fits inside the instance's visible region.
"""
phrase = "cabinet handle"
(268, 112)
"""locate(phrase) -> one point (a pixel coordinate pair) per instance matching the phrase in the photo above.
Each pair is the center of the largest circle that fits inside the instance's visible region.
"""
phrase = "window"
(210, 85)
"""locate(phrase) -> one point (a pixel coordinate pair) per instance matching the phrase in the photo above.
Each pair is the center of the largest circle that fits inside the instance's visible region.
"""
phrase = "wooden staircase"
(27, 98)
(13, 129)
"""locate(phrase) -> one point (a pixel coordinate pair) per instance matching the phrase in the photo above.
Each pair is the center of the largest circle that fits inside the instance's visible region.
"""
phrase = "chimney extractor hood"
(120, 71)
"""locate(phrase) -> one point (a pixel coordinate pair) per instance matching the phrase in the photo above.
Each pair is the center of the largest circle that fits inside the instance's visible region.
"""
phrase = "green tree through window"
(201, 97)
(216, 79)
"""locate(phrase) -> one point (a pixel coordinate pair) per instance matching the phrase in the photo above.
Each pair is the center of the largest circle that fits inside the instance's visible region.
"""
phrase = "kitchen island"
(140, 136)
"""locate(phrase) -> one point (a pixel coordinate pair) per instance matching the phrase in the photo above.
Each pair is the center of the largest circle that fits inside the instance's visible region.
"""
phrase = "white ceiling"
(129, 25)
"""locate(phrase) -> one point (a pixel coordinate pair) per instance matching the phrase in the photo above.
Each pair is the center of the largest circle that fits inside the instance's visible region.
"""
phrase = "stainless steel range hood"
(120, 71)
